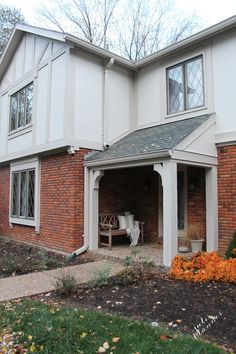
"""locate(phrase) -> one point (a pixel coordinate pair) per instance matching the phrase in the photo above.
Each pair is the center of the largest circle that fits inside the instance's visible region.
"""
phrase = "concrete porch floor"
(149, 252)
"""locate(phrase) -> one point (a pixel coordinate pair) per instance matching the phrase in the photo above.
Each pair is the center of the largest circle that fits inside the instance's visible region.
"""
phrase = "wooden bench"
(109, 227)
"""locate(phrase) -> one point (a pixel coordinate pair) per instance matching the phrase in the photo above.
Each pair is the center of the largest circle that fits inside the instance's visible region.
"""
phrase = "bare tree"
(9, 16)
(131, 28)
(89, 19)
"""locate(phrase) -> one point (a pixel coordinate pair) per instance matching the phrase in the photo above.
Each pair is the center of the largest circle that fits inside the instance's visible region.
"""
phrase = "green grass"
(67, 330)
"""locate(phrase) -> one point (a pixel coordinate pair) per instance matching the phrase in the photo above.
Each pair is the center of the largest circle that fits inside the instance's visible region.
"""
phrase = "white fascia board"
(183, 145)
(49, 148)
(92, 48)
(191, 158)
(224, 139)
(188, 42)
(138, 160)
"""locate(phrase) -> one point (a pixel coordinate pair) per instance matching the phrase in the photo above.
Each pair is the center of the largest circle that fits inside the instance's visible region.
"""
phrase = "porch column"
(95, 177)
(211, 210)
(168, 172)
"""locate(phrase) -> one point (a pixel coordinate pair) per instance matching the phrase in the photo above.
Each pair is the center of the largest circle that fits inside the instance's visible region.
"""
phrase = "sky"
(210, 11)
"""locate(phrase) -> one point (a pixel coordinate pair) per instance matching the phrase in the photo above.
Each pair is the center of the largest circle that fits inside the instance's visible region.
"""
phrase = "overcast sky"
(211, 11)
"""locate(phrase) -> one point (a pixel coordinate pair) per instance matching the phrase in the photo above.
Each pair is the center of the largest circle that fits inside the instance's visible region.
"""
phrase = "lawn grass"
(46, 329)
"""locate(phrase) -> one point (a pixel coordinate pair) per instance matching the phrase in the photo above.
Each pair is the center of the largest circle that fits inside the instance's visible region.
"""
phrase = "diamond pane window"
(21, 108)
(15, 193)
(185, 86)
(23, 194)
(14, 102)
(176, 93)
(31, 186)
(195, 84)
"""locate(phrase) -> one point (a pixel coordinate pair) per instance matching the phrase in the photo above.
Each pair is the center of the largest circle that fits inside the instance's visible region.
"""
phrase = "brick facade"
(61, 203)
(226, 195)
(196, 201)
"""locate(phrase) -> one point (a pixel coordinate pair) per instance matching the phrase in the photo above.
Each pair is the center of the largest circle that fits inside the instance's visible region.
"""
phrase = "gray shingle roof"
(149, 140)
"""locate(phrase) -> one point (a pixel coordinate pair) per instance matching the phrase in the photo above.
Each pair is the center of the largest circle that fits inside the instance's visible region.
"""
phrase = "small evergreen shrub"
(231, 251)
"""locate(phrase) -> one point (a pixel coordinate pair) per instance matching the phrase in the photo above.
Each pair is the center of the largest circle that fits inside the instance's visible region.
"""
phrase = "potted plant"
(196, 240)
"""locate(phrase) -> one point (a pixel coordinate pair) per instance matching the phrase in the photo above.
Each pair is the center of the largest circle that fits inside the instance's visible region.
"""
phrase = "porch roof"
(149, 140)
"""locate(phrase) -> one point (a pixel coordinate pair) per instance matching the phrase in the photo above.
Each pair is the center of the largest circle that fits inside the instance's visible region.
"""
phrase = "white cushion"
(122, 222)
(129, 221)
(127, 213)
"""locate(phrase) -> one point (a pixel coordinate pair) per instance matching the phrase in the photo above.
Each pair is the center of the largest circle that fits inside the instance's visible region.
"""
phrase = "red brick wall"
(123, 190)
(196, 198)
(61, 203)
(226, 195)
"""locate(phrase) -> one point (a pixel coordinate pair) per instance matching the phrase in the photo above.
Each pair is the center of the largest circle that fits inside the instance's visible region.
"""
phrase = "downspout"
(86, 203)
(104, 122)
(105, 99)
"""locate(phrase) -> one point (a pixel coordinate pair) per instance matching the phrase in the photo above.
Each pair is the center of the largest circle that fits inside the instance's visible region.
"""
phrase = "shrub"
(66, 284)
(101, 275)
(128, 275)
(204, 267)
(231, 251)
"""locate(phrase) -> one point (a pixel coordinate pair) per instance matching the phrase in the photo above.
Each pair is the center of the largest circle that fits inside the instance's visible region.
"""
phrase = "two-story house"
(84, 131)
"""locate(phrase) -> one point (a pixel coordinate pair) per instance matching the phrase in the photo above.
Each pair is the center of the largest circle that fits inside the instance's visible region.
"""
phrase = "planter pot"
(196, 245)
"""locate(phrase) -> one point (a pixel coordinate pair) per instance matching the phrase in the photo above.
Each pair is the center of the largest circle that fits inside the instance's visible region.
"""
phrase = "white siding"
(149, 96)
(57, 104)
(224, 82)
(119, 103)
(48, 94)
(88, 97)
(42, 109)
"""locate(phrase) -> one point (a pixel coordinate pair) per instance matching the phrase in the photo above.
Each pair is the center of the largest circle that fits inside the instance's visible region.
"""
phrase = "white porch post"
(168, 172)
(211, 210)
(95, 177)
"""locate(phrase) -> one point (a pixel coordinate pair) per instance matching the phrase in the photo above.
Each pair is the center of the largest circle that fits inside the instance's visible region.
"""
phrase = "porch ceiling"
(153, 140)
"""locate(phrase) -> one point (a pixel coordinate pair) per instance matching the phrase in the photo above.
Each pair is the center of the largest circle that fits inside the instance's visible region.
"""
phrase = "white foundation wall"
(40, 61)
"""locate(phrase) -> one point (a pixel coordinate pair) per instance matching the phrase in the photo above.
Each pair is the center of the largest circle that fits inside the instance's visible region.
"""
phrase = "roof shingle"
(149, 140)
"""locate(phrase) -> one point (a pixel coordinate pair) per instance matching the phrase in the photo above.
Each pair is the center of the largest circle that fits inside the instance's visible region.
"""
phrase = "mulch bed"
(206, 310)
(18, 258)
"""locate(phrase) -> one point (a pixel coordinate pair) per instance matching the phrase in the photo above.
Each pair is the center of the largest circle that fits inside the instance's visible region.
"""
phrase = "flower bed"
(204, 267)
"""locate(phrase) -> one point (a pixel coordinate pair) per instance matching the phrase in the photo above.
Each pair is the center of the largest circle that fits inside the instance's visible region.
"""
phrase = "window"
(23, 194)
(185, 86)
(21, 108)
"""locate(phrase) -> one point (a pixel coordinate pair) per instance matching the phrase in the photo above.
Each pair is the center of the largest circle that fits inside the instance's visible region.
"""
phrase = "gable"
(31, 52)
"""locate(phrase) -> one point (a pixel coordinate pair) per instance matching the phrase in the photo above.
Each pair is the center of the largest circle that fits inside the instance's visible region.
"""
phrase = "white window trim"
(208, 107)
(25, 165)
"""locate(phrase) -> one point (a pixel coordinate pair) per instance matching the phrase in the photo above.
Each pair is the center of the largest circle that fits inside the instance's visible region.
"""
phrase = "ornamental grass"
(205, 266)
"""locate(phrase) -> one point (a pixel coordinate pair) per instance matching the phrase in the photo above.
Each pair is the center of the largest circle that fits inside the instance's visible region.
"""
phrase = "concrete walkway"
(42, 282)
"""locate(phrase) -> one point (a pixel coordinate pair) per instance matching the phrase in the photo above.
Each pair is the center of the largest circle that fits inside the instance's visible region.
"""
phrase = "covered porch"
(167, 189)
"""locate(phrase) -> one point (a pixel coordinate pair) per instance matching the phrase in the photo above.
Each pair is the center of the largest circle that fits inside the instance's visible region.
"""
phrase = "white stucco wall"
(224, 82)
(87, 99)
(43, 62)
(120, 102)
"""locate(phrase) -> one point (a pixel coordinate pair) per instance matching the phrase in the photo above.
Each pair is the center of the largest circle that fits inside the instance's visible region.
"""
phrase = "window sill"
(190, 112)
(22, 221)
(28, 128)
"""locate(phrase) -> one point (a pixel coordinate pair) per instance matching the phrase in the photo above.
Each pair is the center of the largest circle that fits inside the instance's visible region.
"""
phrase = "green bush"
(231, 251)
(66, 284)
